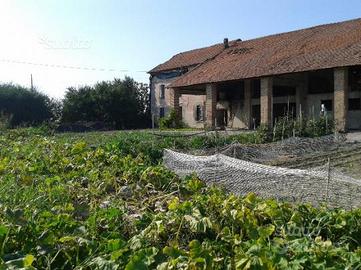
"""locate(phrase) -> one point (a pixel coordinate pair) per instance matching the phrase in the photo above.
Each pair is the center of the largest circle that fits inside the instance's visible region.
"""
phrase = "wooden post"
(328, 179)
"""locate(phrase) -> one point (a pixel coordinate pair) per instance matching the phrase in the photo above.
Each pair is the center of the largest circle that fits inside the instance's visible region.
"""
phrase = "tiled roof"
(320, 47)
(190, 58)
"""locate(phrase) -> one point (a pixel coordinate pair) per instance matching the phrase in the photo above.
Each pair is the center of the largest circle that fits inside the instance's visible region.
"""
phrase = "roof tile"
(190, 58)
(320, 47)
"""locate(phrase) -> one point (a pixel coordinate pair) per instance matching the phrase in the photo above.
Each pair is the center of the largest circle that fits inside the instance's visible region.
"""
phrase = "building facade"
(311, 72)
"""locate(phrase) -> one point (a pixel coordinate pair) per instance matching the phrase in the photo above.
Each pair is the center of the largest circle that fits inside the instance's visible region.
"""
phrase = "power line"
(66, 66)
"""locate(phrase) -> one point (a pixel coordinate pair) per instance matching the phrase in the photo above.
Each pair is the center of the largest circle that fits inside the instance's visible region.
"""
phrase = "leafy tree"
(119, 103)
(24, 106)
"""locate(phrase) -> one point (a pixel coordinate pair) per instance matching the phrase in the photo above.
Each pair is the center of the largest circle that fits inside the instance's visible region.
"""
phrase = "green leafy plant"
(171, 121)
(4, 121)
(287, 126)
(103, 201)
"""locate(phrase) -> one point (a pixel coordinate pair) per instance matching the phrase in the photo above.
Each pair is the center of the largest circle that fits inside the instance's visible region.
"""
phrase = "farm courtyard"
(104, 200)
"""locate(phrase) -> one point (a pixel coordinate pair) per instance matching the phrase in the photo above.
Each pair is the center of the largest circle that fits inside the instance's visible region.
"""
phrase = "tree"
(121, 104)
(24, 106)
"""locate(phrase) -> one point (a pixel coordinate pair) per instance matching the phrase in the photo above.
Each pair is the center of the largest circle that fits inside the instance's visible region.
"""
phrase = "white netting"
(316, 186)
(291, 147)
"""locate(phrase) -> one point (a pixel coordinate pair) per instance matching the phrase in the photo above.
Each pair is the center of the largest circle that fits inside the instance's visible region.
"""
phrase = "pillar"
(248, 103)
(340, 98)
(266, 101)
(174, 102)
(211, 103)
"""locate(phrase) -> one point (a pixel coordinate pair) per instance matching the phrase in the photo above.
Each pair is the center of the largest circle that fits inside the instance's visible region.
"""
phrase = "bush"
(4, 121)
(22, 106)
(121, 104)
(286, 127)
(171, 121)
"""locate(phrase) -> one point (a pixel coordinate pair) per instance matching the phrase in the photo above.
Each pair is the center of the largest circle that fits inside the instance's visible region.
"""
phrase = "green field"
(104, 201)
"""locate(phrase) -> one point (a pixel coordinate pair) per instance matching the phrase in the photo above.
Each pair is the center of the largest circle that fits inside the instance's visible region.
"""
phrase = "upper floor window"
(162, 91)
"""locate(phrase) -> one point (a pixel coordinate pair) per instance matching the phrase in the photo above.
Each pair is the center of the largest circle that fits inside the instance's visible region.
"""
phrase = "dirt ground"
(345, 157)
(354, 136)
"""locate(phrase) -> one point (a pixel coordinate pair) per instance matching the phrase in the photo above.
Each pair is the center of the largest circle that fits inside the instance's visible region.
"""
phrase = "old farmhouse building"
(240, 84)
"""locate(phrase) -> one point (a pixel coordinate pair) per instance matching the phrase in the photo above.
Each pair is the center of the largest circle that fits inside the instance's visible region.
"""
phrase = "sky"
(74, 43)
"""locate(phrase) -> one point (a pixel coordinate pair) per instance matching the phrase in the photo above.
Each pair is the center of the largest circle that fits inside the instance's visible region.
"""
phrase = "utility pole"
(31, 82)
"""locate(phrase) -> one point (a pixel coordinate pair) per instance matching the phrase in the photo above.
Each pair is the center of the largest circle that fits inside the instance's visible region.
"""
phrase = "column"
(174, 102)
(248, 103)
(211, 103)
(340, 98)
(266, 101)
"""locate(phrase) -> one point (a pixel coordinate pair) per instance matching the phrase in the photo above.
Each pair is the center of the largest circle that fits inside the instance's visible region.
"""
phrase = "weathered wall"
(237, 116)
(238, 112)
(188, 102)
(156, 101)
(240, 116)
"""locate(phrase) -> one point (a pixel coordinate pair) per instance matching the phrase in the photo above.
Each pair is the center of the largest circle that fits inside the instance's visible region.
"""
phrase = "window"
(198, 113)
(161, 112)
(328, 104)
(162, 91)
(354, 104)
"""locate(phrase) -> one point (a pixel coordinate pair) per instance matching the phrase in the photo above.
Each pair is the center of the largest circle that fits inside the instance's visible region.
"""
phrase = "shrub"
(286, 127)
(318, 127)
(171, 121)
(121, 104)
(4, 121)
(24, 106)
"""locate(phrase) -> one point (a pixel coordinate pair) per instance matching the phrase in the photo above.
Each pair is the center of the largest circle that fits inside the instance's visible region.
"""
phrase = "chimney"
(225, 43)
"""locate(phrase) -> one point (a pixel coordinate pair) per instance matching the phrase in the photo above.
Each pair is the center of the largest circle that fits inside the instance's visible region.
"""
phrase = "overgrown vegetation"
(171, 121)
(151, 146)
(92, 201)
(20, 106)
(286, 127)
(121, 104)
